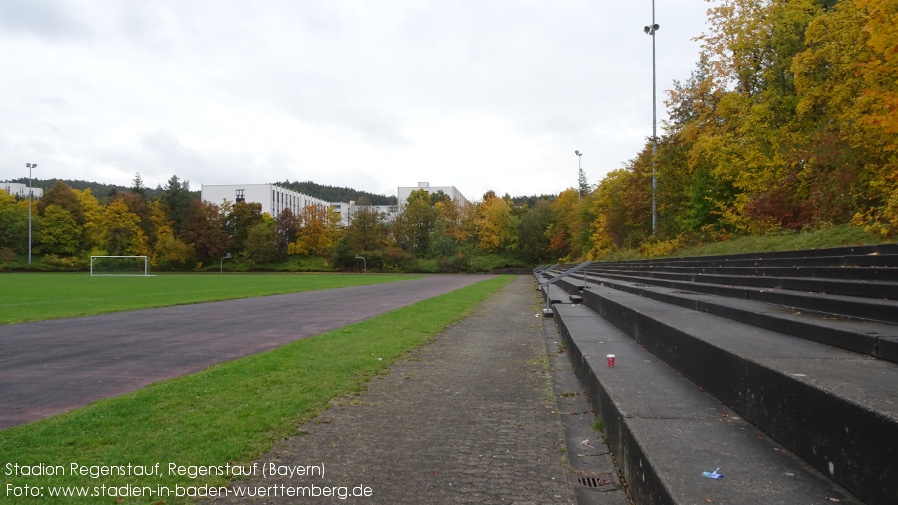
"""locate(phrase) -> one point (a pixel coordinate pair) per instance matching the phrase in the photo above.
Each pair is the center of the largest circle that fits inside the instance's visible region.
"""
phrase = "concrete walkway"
(468, 418)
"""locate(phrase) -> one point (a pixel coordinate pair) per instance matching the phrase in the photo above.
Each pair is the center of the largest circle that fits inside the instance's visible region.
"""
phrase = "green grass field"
(39, 296)
(227, 414)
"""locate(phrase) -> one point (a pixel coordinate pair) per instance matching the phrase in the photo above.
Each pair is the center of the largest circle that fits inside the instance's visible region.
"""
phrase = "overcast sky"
(374, 94)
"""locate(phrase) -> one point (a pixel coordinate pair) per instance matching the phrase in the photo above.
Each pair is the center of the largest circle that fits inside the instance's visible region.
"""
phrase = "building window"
(241, 195)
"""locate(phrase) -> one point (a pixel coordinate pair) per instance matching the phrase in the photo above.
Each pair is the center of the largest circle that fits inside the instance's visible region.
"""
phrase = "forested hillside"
(788, 122)
(100, 190)
(328, 193)
(336, 194)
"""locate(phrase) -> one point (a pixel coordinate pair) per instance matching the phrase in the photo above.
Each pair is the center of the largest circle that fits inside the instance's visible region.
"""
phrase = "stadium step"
(872, 305)
(851, 287)
(697, 367)
(868, 337)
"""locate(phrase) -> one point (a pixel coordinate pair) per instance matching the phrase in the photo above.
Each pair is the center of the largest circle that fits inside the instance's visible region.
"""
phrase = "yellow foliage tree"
(495, 225)
(317, 231)
(93, 218)
(120, 232)
(168, 250)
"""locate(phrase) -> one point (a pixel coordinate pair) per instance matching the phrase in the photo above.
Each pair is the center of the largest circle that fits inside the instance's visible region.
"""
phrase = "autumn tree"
(415, 222)
(367, 230)
(367, 235)
(138, 187)
(317, 231)
(620, 208)
(568, 232)
(241, 218)
(453, 214)
(168, 250)
(533, 233)
(582, 183)
(206, 230)
(13, 223)
(120, 231)
(140, 207)
(287, 229)
(749, 50)
(64, 197)
(262, 242)
(60, 232)
(881, 95)
(881, 70)
(495, 225)
(176, 199)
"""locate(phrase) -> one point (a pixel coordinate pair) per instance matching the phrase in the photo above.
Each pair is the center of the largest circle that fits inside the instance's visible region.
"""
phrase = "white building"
(348, 210)
(21, 190)
(403, 193)
(274, 199)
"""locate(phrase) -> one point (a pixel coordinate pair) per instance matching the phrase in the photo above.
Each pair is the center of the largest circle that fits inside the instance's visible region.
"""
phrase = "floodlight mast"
(650, 30)
(29, 166)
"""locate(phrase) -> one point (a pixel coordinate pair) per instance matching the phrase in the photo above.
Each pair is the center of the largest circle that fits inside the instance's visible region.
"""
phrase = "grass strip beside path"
(40, 296)
(229, 413)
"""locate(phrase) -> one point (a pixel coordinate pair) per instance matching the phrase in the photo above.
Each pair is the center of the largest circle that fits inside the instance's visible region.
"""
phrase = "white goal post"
(139, 266)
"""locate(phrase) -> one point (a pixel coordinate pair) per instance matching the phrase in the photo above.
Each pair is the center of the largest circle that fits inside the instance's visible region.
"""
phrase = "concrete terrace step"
(834, 408)
(665, 431)
(852, 287)
(876, 309)
(866, 337)
(829, 406)
(882, 274)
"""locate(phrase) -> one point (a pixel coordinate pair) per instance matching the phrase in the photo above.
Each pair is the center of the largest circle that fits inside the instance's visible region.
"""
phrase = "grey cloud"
(51, 19)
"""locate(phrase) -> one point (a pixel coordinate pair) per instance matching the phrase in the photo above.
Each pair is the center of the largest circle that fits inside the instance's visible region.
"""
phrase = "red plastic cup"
(610, 361)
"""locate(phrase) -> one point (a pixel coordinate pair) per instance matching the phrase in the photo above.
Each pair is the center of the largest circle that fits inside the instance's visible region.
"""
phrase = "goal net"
(120, 265)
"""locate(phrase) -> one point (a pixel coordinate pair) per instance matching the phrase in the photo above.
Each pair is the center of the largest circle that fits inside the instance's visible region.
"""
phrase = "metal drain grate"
(588, 481)
(599, 482)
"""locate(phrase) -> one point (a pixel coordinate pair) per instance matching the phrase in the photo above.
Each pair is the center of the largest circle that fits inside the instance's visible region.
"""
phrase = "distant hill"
(329, 193)
(336, 194)
(531, 200)
(102, 191)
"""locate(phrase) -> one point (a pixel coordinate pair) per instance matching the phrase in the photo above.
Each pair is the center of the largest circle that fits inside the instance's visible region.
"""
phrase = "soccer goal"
(120, 265)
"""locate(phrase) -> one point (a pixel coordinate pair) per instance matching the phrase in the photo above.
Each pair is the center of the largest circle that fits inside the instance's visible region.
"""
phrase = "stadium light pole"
(29, 166)
(650, 30)
(579, 171)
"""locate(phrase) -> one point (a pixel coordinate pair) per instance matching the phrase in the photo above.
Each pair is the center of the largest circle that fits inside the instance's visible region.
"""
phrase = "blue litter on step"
(714, 474)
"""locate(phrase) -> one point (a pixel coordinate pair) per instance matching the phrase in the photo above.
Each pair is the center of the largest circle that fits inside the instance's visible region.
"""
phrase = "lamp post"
(650, 30)
(579, 172)
(29, 166)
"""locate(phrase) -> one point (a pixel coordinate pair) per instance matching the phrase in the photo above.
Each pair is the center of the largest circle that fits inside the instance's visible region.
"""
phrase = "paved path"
(468, 418)
(50, 367)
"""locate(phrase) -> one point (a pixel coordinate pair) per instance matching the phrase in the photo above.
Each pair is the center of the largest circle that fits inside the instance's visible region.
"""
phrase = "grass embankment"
(836, 236)
(39, 296)
(229, 413)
